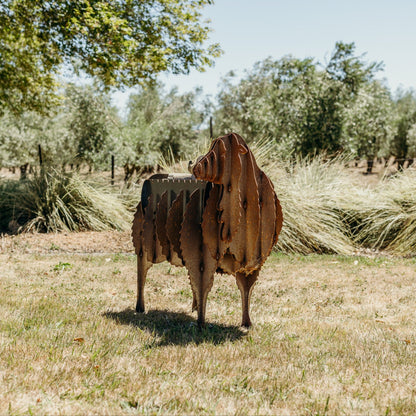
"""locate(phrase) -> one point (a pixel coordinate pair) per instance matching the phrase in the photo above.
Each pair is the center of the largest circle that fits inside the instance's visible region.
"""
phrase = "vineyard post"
(112, 169)
(40, 155)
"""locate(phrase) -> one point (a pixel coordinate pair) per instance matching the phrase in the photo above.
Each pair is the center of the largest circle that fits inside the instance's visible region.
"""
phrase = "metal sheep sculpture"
(224, 218)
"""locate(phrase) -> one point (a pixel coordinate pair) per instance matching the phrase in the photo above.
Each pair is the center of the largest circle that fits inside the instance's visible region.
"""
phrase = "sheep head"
(221, 161)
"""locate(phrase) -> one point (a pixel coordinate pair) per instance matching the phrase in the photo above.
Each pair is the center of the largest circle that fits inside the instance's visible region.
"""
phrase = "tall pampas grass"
(386, 215)
(53, 201)
(309, 192)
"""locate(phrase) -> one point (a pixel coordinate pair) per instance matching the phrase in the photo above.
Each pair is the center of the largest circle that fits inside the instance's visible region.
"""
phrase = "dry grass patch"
(332, 335)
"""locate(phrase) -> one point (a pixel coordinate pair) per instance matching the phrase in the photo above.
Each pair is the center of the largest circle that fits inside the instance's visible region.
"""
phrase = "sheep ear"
(211, 227)
(243, 149)
(241, 144)
(222, 149)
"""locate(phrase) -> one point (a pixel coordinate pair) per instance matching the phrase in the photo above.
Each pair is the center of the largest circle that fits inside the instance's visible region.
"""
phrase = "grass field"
(331, 335)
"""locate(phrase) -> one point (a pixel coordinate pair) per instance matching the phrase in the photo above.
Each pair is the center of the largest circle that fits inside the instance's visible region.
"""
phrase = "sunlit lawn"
(331, 334)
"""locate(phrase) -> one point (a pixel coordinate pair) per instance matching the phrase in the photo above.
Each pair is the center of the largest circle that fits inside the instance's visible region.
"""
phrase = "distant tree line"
(305, 107)
(309, 108)
(86, 129)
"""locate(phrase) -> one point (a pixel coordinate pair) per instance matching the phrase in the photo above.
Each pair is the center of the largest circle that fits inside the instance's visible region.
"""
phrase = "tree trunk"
(23, 171)
(370, 163)
(400, 164)
(128, 172)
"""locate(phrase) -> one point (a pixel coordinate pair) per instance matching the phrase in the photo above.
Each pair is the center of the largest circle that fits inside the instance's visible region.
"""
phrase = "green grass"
(331, 335)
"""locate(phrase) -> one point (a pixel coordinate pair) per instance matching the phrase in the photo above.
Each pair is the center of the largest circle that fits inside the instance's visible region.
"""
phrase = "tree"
(351, 70)
(20, 136)
(270, 101)
(83, 128)
(92, 124)
(411, 140)
(160, 123)
(368, 125)
(403, 142)
(119, 43)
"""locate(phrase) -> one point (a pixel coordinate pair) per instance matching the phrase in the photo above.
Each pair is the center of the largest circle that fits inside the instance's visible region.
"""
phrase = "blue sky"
(252, 30)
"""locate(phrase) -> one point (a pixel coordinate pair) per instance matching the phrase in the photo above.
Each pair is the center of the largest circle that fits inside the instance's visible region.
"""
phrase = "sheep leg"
(205, 285)
(196, 256)
(142, 268)
(246, 283)
(194, 302)
(202, 280)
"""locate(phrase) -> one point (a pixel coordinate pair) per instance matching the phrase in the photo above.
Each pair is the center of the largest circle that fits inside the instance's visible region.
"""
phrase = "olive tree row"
(309, 108)
(87, 129)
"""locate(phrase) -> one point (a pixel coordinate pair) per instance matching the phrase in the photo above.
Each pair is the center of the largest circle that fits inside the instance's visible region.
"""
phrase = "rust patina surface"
(224, 218)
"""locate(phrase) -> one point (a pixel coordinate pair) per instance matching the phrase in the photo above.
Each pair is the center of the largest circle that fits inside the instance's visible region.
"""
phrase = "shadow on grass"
(176, 328)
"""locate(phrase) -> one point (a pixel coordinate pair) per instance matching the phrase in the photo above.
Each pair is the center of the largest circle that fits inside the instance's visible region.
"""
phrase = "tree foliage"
(21, 135)
(160, 123)
(368, 122)
(86, 129)
(403, 144)
(302, 106)
(120, 43)
(92, 124)
(81, 130)
(297, 102)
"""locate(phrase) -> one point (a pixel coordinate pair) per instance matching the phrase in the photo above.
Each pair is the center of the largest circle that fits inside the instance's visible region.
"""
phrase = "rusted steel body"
(225, 219)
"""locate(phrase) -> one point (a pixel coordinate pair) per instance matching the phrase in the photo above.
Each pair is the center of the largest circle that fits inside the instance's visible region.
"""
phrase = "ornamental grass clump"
(52, 201)
(386, 216)
(313, 221)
